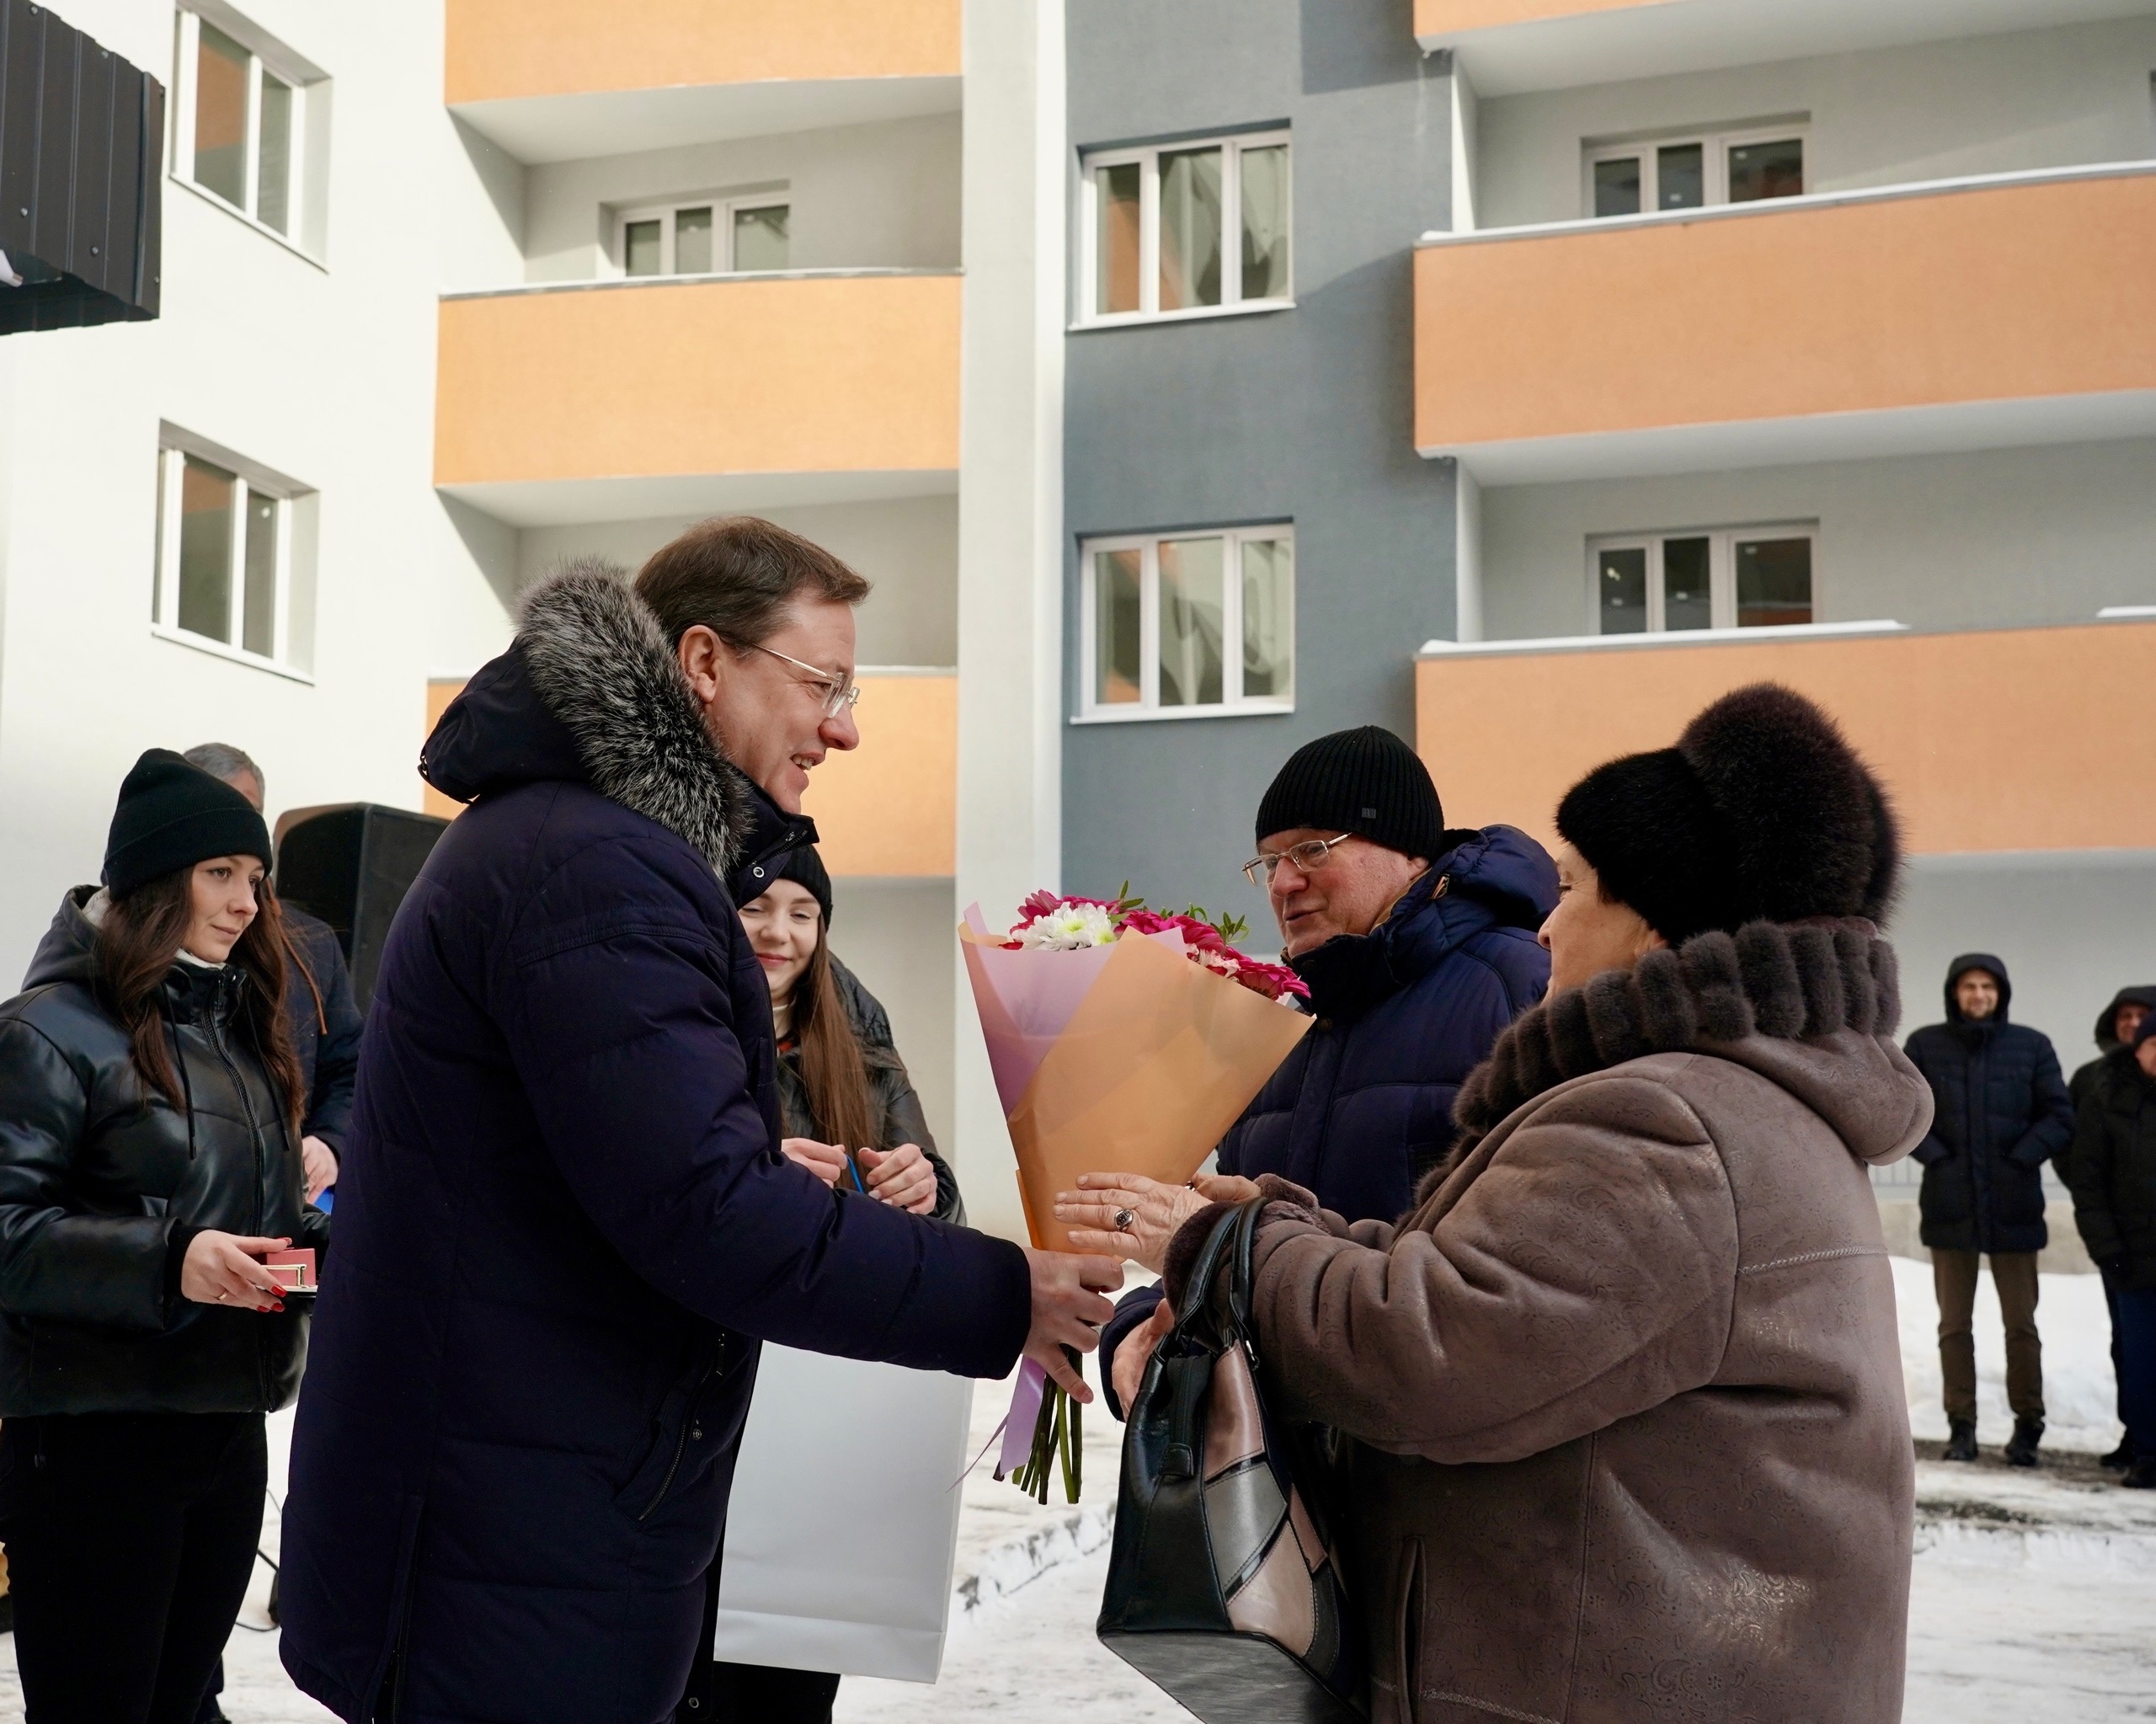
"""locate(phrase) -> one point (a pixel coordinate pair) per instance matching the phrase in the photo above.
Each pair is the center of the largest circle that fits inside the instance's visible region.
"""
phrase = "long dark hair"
(832, 1070)
(137, 944)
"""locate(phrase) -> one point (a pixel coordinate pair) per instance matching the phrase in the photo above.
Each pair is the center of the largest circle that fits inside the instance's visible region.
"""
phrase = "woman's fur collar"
(599, 660)
(1789, 980)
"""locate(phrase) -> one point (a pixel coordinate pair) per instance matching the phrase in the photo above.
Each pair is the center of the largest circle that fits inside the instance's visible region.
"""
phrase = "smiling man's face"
(1348, 894)
(767, 714)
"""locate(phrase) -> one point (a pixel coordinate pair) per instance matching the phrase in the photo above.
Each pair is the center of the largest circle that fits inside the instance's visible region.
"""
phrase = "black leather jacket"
(99, 1187)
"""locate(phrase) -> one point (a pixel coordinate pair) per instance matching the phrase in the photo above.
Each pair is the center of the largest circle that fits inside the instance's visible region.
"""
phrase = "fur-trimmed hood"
(1812, 1005)
(590, 692)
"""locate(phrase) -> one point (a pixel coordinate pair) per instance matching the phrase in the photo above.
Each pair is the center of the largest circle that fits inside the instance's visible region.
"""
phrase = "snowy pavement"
(2034, 1600)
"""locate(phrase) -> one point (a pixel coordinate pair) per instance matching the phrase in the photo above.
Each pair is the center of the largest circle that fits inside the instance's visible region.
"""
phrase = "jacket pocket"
(677, 1447)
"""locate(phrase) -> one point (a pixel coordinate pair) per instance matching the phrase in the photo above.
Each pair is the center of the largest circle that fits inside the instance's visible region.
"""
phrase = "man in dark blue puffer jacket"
(1419, 946)
(565, 1222)
(2000, 1112)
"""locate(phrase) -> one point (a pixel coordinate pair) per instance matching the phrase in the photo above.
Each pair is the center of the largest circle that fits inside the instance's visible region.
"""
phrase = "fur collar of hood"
(590, 691)
(1813, 1005)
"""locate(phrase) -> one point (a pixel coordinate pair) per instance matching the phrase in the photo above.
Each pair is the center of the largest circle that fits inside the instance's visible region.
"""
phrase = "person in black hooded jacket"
(2114, 1178)
(149, 1158)
(2001, 1112)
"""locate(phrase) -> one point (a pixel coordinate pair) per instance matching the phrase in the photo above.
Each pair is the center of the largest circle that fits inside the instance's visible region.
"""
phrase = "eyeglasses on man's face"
(837, 691)
(1308, 856)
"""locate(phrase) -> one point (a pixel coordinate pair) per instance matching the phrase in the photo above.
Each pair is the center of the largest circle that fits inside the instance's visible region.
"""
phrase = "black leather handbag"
(1221, 1589)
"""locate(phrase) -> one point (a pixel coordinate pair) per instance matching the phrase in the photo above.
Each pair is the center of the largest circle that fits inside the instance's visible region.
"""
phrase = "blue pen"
(854, 1168)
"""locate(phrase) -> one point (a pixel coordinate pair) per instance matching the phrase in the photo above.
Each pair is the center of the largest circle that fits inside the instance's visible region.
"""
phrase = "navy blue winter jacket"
(2000, 1111)
(1363, 1108)
(565, 1223)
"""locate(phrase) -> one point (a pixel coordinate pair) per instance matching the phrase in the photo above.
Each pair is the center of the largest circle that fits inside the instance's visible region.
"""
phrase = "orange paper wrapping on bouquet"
(1158, 1060)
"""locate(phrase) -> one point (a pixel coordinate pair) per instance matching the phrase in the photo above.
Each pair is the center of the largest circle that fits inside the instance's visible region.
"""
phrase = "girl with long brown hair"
(149, 1162)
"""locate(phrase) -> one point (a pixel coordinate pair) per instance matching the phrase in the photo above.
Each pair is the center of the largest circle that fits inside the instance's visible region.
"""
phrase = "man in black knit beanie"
(1418, 944)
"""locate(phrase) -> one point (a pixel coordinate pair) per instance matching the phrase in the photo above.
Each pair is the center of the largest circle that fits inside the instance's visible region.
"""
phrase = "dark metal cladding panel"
(90, 227)
(22, 77)
(52, 217)
(149, 199)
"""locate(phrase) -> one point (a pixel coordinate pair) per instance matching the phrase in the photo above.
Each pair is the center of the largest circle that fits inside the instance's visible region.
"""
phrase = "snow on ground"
(2034, 1596)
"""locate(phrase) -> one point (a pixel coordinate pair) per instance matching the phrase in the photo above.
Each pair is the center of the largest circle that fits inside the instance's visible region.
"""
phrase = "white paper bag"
(843, 1524)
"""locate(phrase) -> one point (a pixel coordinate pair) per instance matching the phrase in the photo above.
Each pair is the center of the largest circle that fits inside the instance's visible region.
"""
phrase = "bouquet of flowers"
(1122, 1040)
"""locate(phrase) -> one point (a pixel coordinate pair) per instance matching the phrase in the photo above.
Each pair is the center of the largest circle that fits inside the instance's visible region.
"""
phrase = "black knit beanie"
(1367, 781)
(171, 816)
(1761, 812)
(804, 868)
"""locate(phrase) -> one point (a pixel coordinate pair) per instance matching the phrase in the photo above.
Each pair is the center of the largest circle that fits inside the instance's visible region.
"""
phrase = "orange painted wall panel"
(1449, 17)
(835, 374)
(1998, 740)
(440, 693)
(891, 806)
(496, 49)
(2007, 292)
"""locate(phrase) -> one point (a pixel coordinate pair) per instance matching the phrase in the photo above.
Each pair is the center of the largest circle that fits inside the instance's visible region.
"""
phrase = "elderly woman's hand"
(1134, 1352)
(1127, 1215)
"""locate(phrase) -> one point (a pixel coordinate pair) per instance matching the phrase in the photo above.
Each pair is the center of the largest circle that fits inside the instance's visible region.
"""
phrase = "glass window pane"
(1191, 621)
(692, 241)
(759, 238)
(1265, 222)
(1190, 228)
(1620, 584)
(1617, 187)
(1269, 618)
(205, 548)
(1774, 582)
(640, 249)
(273, 173)
(1686, 599)
(221, 115)
(1769, 170)
(1115, 287)
(1680, 176)
(259, 597)
(1116, 648)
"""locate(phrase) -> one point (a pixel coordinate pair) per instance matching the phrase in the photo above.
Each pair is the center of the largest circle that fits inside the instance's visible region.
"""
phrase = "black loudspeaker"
(351, 866)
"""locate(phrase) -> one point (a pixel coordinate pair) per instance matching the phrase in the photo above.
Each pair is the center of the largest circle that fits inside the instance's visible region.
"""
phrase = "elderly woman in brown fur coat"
(1626, 1433)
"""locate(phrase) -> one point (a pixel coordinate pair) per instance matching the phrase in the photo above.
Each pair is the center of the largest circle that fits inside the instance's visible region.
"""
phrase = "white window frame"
(1232, 146)
(265, 54)
(1715, 148)
(722, 211)
(1148, 705)
(1722, 569)
(288, 647)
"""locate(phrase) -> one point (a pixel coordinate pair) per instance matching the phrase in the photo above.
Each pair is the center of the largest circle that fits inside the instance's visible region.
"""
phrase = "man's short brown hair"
(738, 575)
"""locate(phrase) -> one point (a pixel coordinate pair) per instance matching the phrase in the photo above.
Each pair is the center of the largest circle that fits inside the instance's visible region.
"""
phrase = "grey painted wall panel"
(1304, 414)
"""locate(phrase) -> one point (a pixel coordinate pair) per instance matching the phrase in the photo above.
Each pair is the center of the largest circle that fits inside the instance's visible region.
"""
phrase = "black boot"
(1960, 1440)
(2120, 1458)
(2021, 1447)
(2141, 1474)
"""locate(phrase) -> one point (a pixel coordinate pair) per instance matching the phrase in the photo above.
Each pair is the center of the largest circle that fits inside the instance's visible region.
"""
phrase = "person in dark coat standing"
(2001, 1112)
(149, 1160)
(2112, 1169)
(318, 1001)
(565, 1222)
(2117, 1025)
(1419, 946)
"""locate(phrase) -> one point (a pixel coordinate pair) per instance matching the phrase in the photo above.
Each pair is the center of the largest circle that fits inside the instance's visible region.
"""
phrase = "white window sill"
(234, 655)
(245, 220)
(1126, 320)
(1658, 637)
(1140, 715)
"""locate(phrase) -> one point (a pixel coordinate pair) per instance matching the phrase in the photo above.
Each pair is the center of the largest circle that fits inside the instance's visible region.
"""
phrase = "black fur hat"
(1761, 812)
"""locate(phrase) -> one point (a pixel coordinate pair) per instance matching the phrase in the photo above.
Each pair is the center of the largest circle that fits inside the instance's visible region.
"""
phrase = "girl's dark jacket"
(2003, 1111)
(104, 1184)
(563, 1221)
(2113, 1172)
(893, 1109)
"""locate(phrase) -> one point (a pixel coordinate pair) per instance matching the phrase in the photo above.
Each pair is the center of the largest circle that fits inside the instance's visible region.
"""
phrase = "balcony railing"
(2010, 309)
(1989, 740)
(648, 384)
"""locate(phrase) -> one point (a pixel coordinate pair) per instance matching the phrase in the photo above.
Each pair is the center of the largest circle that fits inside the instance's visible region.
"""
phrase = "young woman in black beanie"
(148, 1162)
(1624, 1427)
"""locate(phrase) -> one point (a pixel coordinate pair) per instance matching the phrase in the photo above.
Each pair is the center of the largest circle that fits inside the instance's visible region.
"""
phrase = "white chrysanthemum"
(1067, 927)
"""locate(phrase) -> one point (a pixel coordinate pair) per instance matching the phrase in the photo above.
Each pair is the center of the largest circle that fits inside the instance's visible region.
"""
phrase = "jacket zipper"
(255, 1137)
(681, 1442)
